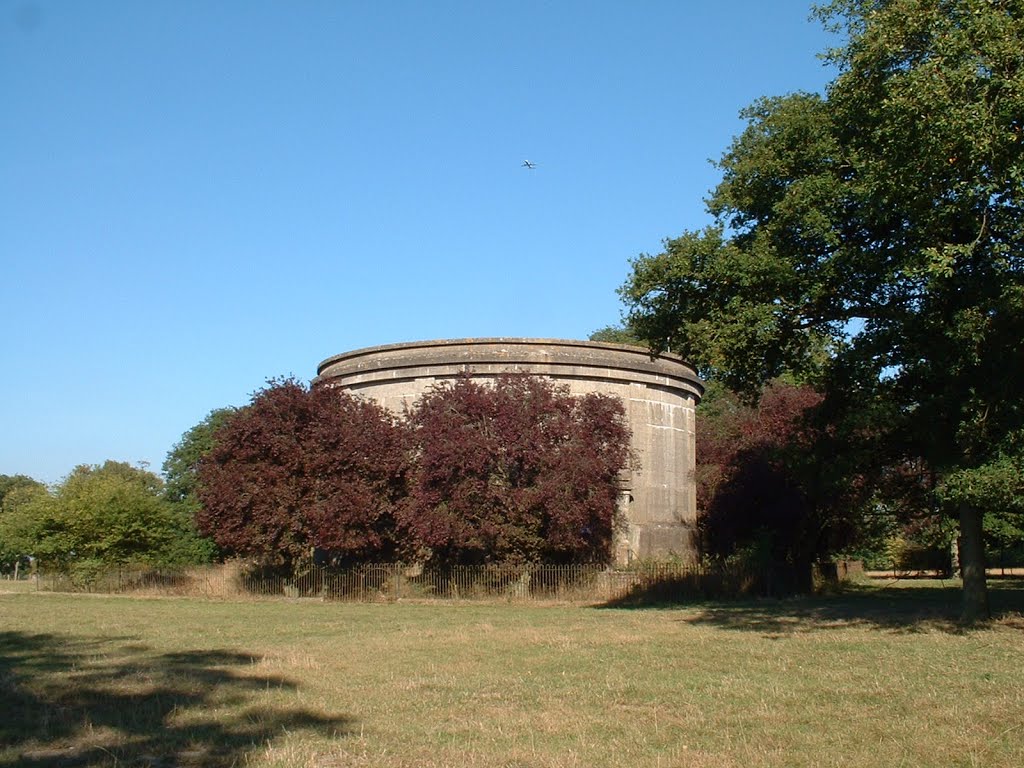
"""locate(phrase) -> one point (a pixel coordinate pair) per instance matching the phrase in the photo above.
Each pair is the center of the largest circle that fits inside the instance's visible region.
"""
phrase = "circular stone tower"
(659, 394)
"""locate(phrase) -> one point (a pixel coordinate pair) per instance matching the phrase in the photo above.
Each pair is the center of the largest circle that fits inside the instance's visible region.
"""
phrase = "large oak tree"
(872, 239)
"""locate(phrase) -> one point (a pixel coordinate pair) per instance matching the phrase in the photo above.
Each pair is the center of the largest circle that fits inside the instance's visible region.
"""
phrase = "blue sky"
(199, 195)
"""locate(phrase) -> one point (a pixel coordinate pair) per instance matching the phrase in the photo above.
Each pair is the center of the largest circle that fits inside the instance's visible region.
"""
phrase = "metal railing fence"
(646, 582)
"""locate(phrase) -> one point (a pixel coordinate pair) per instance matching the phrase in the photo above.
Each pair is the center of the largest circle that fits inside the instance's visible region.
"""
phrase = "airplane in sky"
(527, 164)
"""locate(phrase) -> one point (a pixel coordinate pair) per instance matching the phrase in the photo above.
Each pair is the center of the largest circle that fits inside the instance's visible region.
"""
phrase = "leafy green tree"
(10, 483)
(995, 486)
(98, 516)
(181, 467)
(1004, 533)
(181, 479)
(617, 334)
(109, 514)
(19, 496)
(881, 223)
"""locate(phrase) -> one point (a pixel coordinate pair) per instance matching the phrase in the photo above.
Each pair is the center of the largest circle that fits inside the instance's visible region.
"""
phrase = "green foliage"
(14, 483)
(181, 467)
(1005, 536)
(876, 528)
(617, 334)
(996, 485)
(187, 546)
(871, 240)
(181, 481)
(20, 499)
(908, 555)
(113, 513)
(98, 516)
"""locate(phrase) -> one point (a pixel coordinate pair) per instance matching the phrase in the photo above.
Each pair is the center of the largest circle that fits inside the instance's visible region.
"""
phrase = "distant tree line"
(97, 517)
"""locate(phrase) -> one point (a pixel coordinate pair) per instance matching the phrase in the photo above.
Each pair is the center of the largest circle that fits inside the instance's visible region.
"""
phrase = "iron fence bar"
(397, 581)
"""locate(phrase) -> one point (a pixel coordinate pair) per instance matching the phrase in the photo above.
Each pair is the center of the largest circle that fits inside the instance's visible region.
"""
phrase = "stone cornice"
(556, 358)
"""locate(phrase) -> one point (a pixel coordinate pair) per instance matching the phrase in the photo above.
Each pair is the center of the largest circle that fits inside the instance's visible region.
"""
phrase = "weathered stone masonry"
(659, 395)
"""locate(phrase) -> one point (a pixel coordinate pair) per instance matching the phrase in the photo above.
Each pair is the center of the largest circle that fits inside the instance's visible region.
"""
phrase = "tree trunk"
(972, 565)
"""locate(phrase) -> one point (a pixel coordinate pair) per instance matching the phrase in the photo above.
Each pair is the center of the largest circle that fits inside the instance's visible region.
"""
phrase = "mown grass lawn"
(873, 677)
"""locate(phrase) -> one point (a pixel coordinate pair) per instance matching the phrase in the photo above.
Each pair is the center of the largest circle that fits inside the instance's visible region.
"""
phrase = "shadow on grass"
(895, 606)
(76, 702)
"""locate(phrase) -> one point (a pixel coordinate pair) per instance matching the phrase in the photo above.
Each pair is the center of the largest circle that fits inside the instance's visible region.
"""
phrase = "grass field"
(880, 675)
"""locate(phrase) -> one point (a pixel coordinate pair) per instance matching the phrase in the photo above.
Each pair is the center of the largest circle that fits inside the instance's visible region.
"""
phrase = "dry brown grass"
(872, 677)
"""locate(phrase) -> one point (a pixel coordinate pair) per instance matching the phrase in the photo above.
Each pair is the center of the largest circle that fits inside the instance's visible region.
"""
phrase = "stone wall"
(659, 395)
